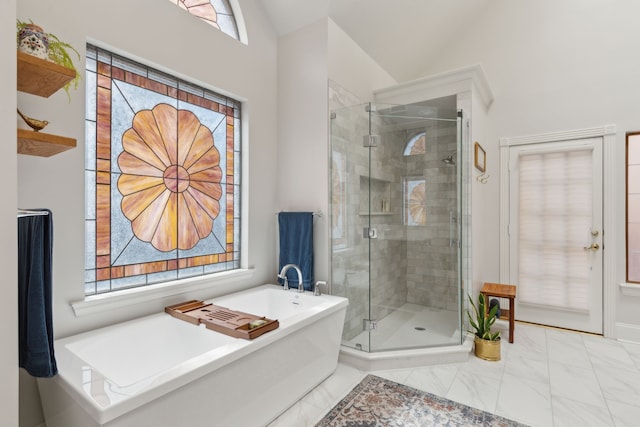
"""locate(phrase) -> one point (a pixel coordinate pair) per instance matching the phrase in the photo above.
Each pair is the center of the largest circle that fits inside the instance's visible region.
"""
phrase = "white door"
(555, 233)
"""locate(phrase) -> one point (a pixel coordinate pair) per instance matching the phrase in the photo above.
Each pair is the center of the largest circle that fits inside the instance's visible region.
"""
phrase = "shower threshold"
(412, 335)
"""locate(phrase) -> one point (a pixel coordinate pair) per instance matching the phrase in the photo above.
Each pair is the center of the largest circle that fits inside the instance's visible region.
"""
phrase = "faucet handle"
(316, 288)
(286, 281)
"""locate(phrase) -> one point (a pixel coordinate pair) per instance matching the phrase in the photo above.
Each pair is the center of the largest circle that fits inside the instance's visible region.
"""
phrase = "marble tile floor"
(547, 377)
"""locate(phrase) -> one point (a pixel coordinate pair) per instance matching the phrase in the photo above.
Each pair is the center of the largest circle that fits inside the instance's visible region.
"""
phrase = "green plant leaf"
(483, 322)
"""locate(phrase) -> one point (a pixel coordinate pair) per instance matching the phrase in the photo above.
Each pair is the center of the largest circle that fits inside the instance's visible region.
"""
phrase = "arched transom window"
(416, 145)
(217, 13)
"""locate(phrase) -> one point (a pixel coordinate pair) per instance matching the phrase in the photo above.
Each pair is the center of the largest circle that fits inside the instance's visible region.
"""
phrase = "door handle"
(593, 247)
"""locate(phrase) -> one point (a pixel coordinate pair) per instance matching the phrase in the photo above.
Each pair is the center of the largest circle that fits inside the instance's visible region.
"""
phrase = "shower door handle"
(370, 233)
(453, 230)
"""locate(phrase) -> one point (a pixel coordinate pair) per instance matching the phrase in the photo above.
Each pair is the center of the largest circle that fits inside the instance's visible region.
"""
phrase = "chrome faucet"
(283, 275)
(316, 289)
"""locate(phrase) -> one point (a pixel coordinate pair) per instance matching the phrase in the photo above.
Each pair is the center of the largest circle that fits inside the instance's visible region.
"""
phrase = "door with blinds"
(555, 233)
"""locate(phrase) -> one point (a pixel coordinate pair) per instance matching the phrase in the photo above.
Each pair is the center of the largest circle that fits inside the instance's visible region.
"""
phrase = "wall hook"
(483, 178)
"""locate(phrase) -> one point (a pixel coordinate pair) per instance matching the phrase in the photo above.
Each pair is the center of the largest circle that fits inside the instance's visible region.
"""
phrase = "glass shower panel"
(397, 191)
(349, 218)
(414, 266)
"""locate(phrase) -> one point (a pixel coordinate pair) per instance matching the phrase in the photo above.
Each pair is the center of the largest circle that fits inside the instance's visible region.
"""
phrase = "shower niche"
(376, 196)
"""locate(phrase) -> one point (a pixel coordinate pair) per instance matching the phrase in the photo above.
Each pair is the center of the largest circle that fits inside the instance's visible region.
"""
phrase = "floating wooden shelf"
(41, 77)
(42, 144)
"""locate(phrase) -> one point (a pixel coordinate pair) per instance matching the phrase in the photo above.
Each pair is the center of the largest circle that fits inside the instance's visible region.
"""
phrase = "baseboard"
(628, 332)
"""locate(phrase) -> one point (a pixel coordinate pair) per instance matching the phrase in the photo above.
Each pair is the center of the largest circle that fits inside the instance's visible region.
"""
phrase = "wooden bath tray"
(221, 319)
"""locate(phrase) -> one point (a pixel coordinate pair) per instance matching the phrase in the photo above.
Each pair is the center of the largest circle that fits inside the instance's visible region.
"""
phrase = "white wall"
(484, 225)
(553, 66)
(8, 233)
(307, 59)
(352, 68)
(302, 132)
(162, 35)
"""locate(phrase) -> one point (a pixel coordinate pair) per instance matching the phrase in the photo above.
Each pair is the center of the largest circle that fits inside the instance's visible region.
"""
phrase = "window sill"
(103, 302)
(630, 289)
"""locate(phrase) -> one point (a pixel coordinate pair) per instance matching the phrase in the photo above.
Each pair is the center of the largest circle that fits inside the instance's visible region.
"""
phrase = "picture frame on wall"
(480, 157)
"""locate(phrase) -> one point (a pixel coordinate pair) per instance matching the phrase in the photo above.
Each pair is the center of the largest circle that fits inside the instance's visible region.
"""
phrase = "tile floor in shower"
(411, 326)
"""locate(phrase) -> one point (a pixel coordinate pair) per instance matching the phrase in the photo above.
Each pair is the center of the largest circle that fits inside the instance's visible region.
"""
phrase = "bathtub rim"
(181, 375)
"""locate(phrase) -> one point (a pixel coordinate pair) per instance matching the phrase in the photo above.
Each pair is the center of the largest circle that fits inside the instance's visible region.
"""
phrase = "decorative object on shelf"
(32, 36)
(487, 343)
(480, 157)
(33, 40)
(34, 124)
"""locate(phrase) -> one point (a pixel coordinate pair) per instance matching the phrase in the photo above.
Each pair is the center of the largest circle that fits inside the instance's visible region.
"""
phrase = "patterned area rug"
(379, 402)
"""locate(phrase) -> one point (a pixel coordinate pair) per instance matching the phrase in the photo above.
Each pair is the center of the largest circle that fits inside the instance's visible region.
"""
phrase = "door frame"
(608, 135)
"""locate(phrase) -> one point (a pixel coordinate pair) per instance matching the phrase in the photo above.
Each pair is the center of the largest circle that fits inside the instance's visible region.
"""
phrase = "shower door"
(396, 224)
(414, 212)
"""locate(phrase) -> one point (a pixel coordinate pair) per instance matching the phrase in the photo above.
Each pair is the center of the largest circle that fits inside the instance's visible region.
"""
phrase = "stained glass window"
(338, 200)
(416, 144)
(217, 13)
(415, 197)
(162, 177)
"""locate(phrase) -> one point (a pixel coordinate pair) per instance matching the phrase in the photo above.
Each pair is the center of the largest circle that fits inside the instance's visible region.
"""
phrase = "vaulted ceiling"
(400, 35)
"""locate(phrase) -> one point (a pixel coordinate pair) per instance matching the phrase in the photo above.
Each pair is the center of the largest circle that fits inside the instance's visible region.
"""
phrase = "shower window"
(162, 177)
(415, 209)
(416, 144)
(339, 201)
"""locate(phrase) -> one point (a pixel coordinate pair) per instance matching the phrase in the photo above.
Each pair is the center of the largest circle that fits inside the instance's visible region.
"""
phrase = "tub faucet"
(316, 289)
(283, 275)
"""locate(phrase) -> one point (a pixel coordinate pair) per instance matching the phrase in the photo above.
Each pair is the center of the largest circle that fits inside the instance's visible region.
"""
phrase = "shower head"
(450, 160)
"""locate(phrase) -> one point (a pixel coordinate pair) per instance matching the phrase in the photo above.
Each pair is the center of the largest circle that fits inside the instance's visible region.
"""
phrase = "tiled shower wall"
(415, 264)
(432, 262)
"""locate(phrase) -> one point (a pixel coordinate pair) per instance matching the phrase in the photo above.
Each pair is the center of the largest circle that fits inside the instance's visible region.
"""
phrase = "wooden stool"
(502, 291)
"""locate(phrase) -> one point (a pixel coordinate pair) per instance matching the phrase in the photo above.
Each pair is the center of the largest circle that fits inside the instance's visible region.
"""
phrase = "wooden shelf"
(41, 77)
(42, 144)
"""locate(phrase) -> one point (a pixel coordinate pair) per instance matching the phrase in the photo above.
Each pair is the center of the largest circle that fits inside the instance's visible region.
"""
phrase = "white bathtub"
(161, 371)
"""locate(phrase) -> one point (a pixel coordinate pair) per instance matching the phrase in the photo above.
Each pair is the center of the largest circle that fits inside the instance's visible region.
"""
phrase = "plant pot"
(487, 349)
(34, 41)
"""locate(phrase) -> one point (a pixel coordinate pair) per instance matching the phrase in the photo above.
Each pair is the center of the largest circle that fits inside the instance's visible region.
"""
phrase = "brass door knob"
(593, 247)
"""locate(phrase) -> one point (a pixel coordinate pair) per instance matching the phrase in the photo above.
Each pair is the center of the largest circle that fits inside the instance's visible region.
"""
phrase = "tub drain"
(420, 328)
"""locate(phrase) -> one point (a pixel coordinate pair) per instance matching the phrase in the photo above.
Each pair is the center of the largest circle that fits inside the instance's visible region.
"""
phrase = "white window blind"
(555, 216)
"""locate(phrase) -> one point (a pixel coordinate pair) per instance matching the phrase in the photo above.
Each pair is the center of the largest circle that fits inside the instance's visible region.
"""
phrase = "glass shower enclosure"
(397, 234)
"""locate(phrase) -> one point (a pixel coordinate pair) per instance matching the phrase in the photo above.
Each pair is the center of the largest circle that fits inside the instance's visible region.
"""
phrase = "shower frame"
(359, 211)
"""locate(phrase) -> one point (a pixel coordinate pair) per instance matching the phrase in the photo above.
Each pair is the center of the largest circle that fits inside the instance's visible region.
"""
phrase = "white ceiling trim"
(438, 85)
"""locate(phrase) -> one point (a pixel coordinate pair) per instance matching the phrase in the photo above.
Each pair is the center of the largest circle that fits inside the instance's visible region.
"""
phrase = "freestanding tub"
(161, 371)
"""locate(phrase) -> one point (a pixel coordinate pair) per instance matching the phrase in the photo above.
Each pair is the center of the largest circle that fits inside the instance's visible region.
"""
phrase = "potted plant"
(32, 39)
(487, 343)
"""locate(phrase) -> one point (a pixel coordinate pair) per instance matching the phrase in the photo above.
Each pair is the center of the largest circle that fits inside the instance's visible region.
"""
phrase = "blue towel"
(35, 324)
(296, 246)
